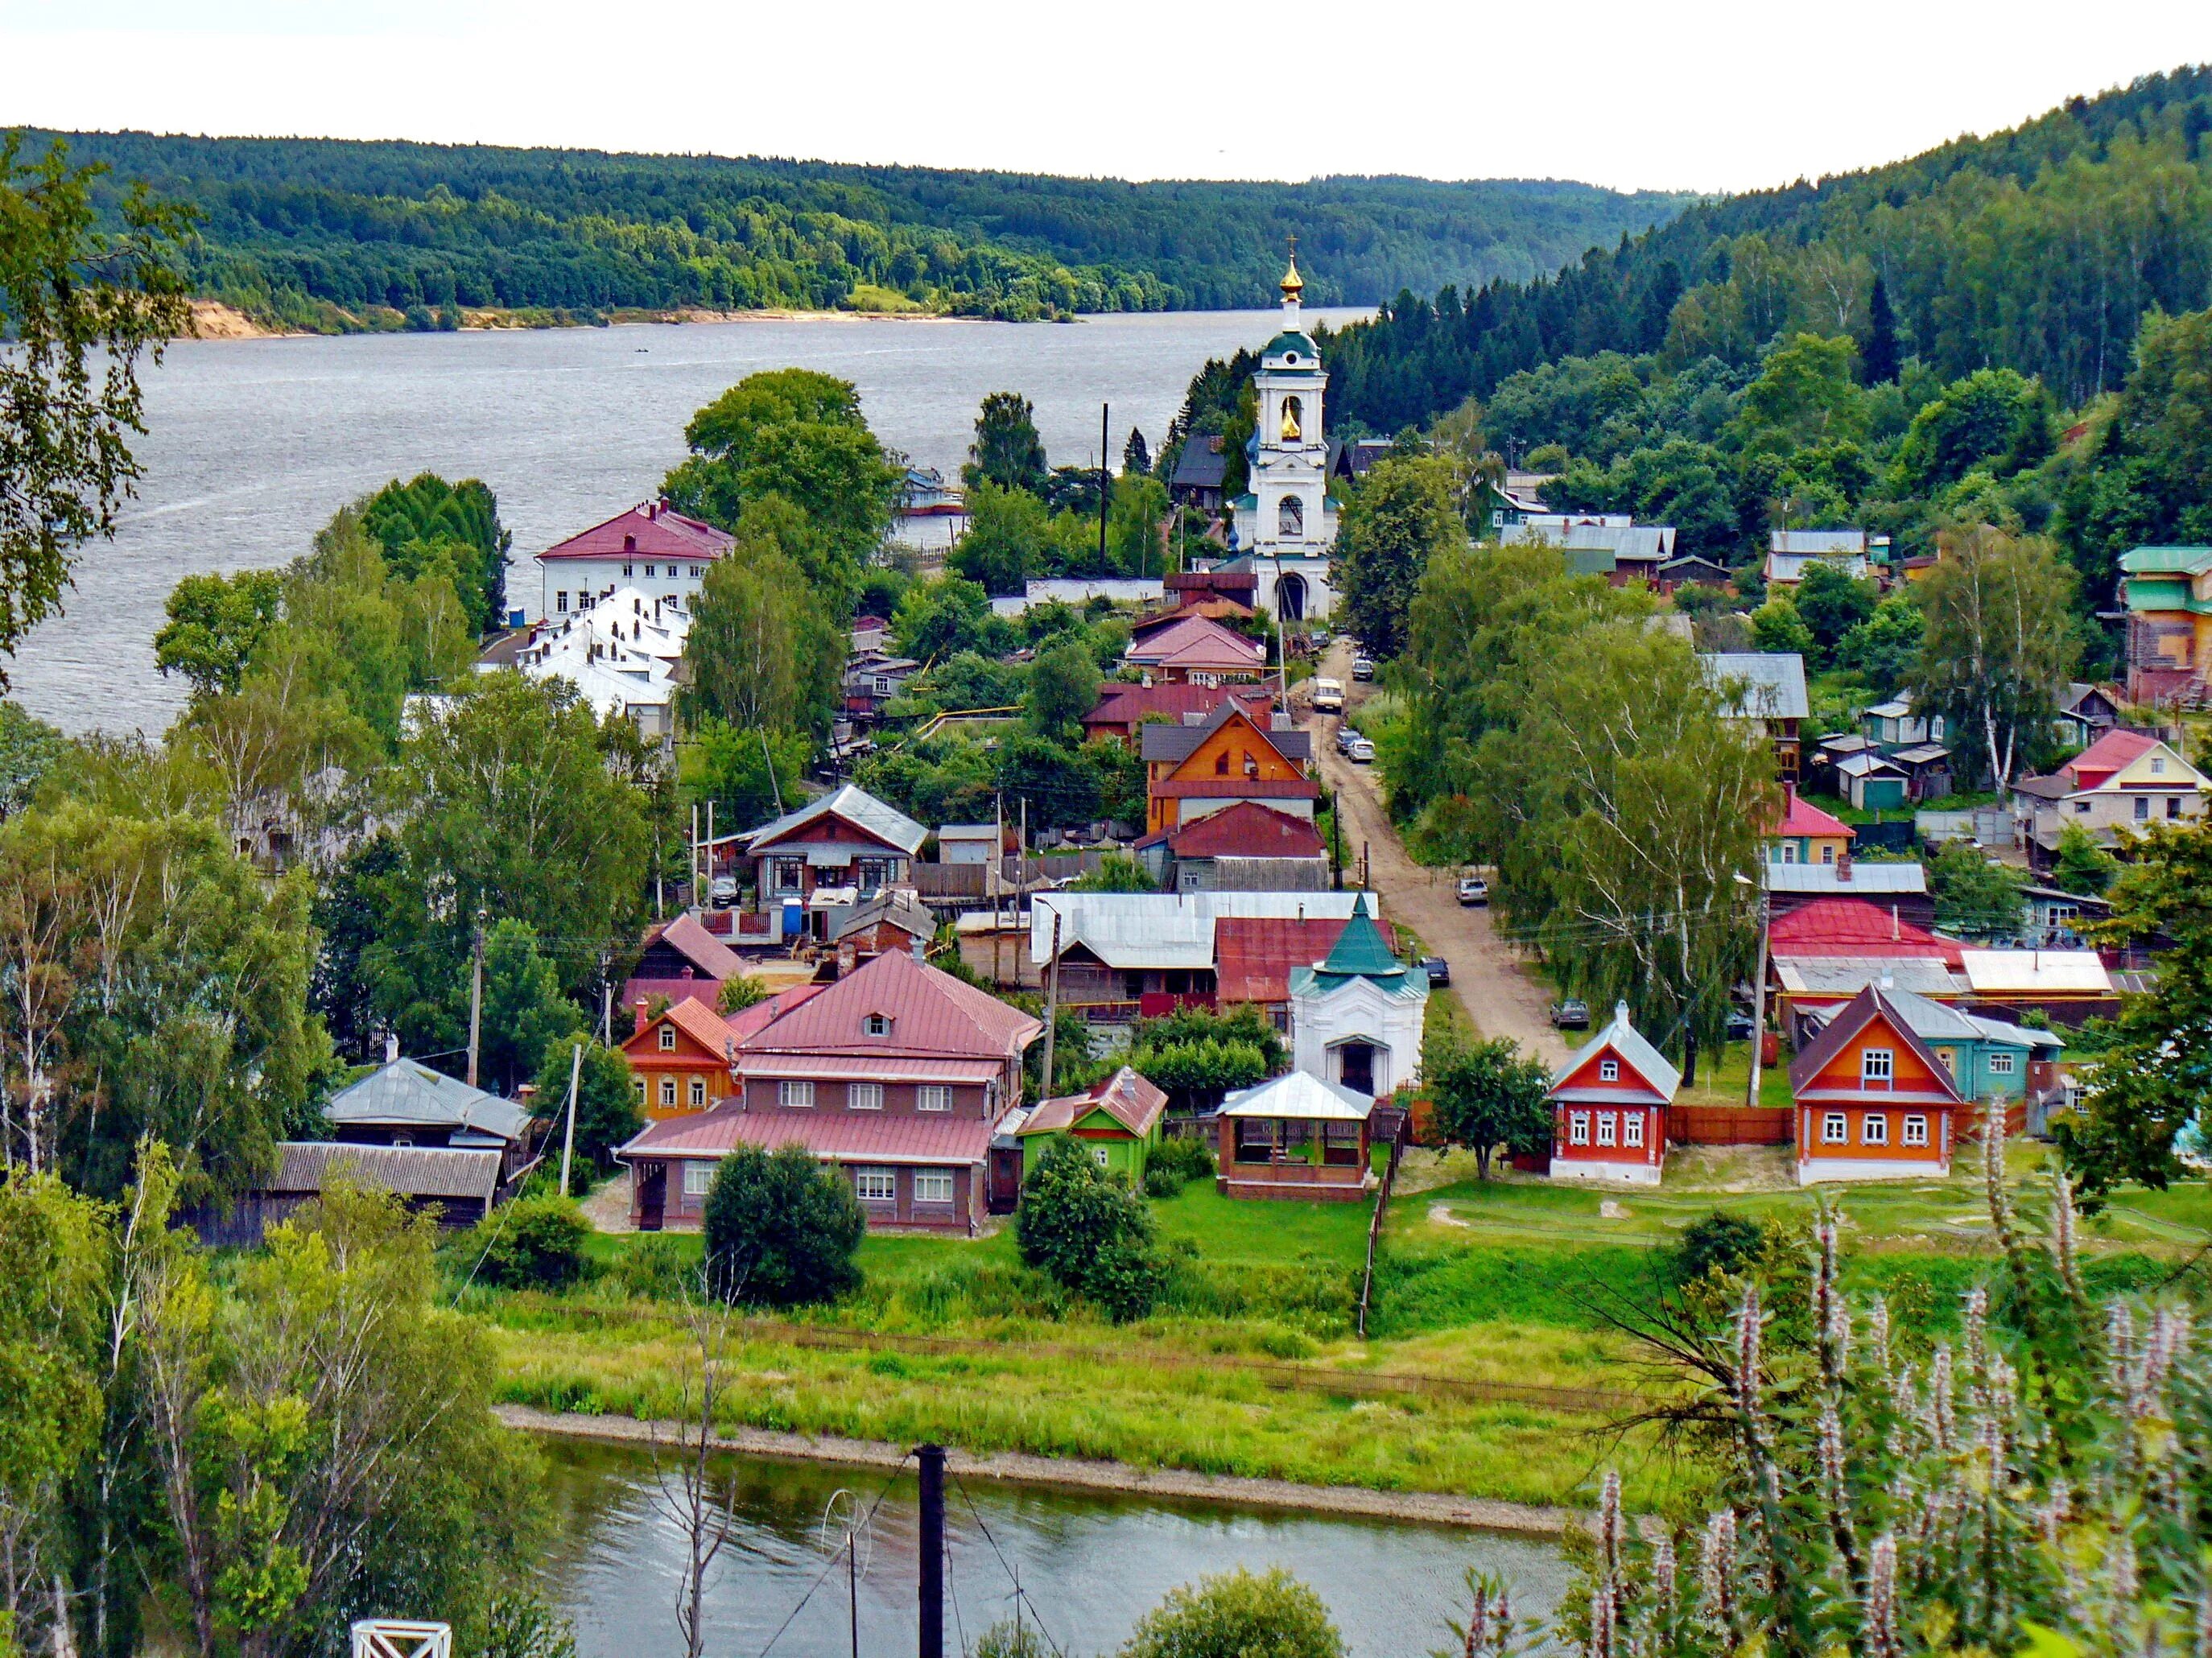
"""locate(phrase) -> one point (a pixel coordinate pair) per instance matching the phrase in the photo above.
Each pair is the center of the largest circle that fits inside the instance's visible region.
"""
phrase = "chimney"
(1843, 867)
(391, 1047)
(1895, 932)
(686, 971)
(1620, 1013)
(640, 1023)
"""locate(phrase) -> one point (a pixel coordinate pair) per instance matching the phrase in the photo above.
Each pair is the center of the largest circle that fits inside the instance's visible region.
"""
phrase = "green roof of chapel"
(1360, 951)
(1291, 340)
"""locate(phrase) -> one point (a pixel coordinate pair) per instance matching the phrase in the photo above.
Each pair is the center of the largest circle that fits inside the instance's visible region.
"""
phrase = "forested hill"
(2039, 249)
(294, 226)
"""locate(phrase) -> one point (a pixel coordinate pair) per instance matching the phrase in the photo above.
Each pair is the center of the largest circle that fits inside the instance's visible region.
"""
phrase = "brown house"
(1232, 756)
(682, 962)
(898, 1075)
(1123, 709)
(843, 848)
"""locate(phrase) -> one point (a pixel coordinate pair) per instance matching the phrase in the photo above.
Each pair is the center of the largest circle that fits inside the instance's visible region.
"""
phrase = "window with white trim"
(875, 1184)
(1878, 1065)
(1607, 1128)
(560, 602)
(1873, 1128)
(638, 1083)
(934, 1096)
(794, 1094)
(933, 1186)
(668, 1039)
(1916, 1130)
(1608, 1071)
(877, 1024)
(698, 1179)
(698, 1093)
(668, 1092)
(1631, 1129)
(648, 573)
(789, 874)
(1835, 1129)
(1578, 1128)
(1999, 1065)
(864, 1096)
(1099, 1156)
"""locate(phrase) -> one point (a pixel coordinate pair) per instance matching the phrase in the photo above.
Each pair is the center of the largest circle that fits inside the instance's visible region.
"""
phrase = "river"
(252, 444)
(1090, 1563)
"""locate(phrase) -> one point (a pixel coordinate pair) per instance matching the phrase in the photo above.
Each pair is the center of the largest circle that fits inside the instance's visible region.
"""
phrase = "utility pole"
(1758, 997)
(1051, 1004)
(995, 877)
(932, 1549)
(476, 996)
(607, 1013)
(1105, 485)
(568, 1140)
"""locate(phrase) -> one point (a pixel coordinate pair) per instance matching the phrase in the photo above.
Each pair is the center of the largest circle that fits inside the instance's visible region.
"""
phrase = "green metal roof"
(1291, 340)
(2166, 561)
(1361, 952)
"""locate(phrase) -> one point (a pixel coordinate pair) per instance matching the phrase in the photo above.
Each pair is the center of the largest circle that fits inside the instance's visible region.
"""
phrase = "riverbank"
(1425, 1507)
(215, 319)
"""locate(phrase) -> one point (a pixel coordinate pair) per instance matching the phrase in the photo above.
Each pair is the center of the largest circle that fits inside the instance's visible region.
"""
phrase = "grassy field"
(1251, 1367)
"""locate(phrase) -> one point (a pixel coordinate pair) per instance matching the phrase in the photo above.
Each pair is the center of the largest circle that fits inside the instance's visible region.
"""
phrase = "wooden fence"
(1729, 1125)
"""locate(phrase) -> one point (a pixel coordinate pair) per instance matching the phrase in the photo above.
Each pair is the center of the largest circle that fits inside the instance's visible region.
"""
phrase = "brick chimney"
(639, 1022)
(1843, 867)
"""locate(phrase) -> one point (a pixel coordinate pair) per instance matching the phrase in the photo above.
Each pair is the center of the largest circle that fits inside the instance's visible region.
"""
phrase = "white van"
(1329, 695)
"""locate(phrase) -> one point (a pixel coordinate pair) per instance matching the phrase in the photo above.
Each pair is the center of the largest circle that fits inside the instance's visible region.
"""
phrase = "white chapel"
(1285, 527)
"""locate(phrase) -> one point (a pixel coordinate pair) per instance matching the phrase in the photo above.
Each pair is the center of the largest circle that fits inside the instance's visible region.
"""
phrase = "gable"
(1237, 739)
(2156, 767)
(830, 829)
(1914, 1068)
(1589, 1075)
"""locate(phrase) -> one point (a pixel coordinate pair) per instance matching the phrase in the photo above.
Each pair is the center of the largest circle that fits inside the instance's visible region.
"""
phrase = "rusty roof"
(1248, 830)
(833, 1136)
(932, 1014)
(1130, 1099)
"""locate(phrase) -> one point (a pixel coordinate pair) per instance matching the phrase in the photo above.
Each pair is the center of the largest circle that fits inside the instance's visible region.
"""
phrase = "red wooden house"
(1873, 1102)
(1609, 1108)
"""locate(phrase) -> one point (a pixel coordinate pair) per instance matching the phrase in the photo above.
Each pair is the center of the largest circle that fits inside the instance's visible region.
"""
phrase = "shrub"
(1718, 1242)
(1176, 1161)
(535, 1242)
(654, 1267)
(1239, 1614)
(782, 1229)
(739, 992)
(1089, 1231)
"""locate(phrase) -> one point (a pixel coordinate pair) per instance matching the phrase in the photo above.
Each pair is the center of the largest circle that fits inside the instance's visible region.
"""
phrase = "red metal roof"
(932, 1014)
(1856, 926)
(1799, 818)
(1199, 642)
(685, 935)
(1248, 830)
(1253, 955)
(655, 531)
(1237, 788)
(1130, 1099)
(1128, 705)
(750, 1021)
(693, 989)
(832, 1136)
(696, 1019)
(2110, 753)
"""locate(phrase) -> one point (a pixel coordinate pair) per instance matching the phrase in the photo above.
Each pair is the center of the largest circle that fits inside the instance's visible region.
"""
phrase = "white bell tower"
(1287, 513)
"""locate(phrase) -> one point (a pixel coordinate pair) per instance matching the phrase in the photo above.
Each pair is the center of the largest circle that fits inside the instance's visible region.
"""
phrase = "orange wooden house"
(680, 1062)
(1237, 753)
(1872, 1100)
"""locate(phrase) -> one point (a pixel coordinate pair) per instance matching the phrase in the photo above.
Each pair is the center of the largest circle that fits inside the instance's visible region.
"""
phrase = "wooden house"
(1123, 709)
(679, 1063)
(836, 850)
(1805, 834)
(1609, 1108)
(1198, 651)
(1233, 755)
(405, 1102)
(1872, 1101)
(1767, 687)
(682, 962)
(1118, 1119)
(1297, 1137)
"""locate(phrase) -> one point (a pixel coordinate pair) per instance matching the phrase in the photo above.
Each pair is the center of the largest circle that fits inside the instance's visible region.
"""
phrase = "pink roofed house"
(1198, 651)
(652, 547)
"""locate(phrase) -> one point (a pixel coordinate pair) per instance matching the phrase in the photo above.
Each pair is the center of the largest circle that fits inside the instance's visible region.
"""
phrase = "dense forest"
(2038, 249)
(306, 229)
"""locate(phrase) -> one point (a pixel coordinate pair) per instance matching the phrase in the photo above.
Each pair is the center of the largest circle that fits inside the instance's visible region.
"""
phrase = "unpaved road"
(1499, 995)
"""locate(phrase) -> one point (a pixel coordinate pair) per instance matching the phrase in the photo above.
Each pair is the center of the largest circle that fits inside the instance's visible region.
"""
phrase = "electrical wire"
(1020, 1594)
(829, 1565)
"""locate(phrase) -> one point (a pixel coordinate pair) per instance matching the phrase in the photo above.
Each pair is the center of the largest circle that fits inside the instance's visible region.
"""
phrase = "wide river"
(1091, 1565)
(252, 444)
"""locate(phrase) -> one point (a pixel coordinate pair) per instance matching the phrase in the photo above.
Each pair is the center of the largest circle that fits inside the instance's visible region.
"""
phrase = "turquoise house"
(1988, 1059)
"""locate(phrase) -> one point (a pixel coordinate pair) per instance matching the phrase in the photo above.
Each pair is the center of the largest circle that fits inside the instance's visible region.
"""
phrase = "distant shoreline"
(1426, 1508)
(212, 320)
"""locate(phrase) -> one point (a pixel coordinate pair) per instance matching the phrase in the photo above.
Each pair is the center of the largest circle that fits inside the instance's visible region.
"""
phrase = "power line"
(1020, 1594)
(829, 1565)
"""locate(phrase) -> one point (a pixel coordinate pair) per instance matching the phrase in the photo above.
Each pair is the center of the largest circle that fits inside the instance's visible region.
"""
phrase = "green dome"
(1291, 340)
(1360, 952)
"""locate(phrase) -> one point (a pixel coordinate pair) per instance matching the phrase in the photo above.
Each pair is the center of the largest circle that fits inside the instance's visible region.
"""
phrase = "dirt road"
(1499, 996)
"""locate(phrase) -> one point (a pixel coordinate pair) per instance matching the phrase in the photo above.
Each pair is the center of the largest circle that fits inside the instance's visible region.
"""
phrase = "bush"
(535, 1242)
(1239, 1614)
(1719, 1243)
(1089, 1231)
(782, 1229)
(654, 1267)
(1175, 1162)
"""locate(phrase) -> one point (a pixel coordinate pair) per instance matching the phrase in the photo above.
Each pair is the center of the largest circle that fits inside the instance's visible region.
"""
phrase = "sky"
(1699, 94)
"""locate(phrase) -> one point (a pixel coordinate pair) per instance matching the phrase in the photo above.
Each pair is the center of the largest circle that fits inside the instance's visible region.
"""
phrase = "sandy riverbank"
(1427, 1508)
(214, 320)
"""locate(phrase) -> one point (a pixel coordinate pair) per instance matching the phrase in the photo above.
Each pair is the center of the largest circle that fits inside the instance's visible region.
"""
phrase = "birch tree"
(2000, 642)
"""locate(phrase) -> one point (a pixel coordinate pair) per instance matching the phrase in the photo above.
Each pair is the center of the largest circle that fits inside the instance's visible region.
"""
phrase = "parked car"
(1319, 637)
(1739, 1026)
(1571, 1014)
(1361, 752)
(1473, 890)
(723, 889)
(1329, 695)
(1363, 668)
(1346, 736)
(1439, 970)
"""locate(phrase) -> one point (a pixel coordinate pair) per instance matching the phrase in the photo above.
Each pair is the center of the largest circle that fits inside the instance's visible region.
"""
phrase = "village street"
(1500, 995)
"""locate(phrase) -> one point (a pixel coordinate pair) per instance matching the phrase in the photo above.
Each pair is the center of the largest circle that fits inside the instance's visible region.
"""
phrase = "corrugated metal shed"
(412, 1172)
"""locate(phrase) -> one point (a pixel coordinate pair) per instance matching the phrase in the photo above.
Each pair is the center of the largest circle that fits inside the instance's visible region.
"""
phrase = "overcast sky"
(1711, 95)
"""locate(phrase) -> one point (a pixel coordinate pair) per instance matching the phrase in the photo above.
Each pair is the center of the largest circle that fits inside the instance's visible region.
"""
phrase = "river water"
(252, 444)
(1090, 1563)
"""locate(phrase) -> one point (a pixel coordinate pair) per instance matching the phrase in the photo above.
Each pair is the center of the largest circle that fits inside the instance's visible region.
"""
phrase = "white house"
(621, 650)
(1355, 1017)
(652, 547)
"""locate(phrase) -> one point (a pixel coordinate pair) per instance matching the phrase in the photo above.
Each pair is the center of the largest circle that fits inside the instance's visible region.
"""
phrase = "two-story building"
(1767, 687)
(680, 1062)
(898, 1076)
(1234, 755)
(1805, 834)
(2124, 780)
(652, 547)
(2168, 594)
(1872, 1102)
(1198, 651)
(831, 852)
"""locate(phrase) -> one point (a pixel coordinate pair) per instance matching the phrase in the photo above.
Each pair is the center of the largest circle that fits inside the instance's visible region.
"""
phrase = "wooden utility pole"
(568, 1140)
(1051, 1005)
(476, 997)
(1759, 1000)
(1105, 485)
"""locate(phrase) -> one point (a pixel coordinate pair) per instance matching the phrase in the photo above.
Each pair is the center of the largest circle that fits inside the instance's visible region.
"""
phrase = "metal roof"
(862, 1137)
(1297, 1096)
(1175, 743)
(1622, 1037)
(1133, 1101)
(1163, 929)
(414, 1171)
(1773, 681)
(407, 1092)
(1933, 1022)
(2007, 971)
(1816, 542)
(1846, 976)
(1883, 879)
(1640, 544)
(932, 1014)
(2166, 561)
(856, 807)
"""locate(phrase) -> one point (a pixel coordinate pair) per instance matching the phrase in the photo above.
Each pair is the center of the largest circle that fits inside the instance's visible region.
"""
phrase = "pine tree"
(1136, 454)
(1878, 350)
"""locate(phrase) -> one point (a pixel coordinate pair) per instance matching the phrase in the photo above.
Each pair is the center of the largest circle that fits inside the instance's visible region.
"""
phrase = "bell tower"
(1287, 514)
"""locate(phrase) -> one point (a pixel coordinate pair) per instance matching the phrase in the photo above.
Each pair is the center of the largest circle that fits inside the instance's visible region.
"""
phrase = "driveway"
(1501, 997)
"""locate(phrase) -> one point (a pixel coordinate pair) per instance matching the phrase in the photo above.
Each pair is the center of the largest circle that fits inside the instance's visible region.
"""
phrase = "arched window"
(1290, 517)
(1293, 418)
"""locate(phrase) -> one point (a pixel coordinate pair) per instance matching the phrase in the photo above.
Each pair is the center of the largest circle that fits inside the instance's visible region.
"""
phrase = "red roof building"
(2104, 759)
(680, 1061)
(1253, 957)
(1873, 1102)
(652, 547)
(1200, 650)
(1247, 845)
(682, 962)
(1122, 708)
(898, 1074)
(1857, 927)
